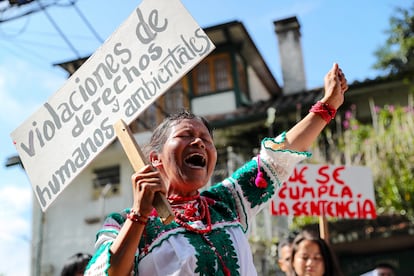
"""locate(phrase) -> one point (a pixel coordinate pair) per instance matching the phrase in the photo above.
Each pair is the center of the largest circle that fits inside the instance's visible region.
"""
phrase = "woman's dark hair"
(329, 257)
(160, 134)
(76, 264)
(284, 242)
(388, 265)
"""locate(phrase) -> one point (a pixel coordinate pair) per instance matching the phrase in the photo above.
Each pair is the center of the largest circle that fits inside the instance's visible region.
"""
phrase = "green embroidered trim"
(273, 140)
(224, 246)
(223, 210)
(103, 249)
(272, 173)
(224, 206)
(155, 233)
(243, 215)
(245, 177)
(281, 138)
(119, 217)
(107, 231)
(208, 262)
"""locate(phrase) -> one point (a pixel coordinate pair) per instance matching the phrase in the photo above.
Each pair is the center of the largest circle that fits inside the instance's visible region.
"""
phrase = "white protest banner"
(155, 47)
(324, 190)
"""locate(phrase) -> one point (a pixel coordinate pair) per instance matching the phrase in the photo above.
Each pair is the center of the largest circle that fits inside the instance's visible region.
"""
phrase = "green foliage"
(387, 147)
(393, 143)
(397, 54)
(300, 222)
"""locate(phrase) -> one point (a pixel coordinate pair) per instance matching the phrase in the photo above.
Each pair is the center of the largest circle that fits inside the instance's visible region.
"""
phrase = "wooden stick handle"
(323, 228)
(138, 160)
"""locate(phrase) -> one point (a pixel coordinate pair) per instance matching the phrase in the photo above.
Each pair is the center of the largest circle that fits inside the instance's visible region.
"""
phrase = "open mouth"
(195, 160)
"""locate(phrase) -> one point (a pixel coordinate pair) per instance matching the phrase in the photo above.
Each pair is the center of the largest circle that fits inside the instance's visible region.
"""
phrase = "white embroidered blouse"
(233, 203)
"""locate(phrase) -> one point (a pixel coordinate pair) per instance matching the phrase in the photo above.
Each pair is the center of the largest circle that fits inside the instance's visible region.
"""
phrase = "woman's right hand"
(145, 183)
(336, 85)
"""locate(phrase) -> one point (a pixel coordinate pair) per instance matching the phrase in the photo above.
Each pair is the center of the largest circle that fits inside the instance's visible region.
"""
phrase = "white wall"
(65, 230)
(214, 104)
(258, 91)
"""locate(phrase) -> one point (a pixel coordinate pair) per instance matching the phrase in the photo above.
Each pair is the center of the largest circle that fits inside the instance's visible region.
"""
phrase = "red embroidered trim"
(324, 110)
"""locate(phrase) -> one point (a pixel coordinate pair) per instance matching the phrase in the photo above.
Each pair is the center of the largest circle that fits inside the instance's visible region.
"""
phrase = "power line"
(85, 20)
(24, 10)
(27, 8)
(20, 31)
(59, 30)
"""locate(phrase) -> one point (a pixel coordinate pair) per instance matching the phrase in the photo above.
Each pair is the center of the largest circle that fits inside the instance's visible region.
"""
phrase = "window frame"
(103, 176)
(212, 76)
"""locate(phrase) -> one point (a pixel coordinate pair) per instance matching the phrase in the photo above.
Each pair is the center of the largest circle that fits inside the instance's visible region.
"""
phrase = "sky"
(347, 32)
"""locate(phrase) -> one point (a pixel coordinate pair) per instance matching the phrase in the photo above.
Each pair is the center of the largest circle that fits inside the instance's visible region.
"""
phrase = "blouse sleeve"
(276, 165)
(100, 262)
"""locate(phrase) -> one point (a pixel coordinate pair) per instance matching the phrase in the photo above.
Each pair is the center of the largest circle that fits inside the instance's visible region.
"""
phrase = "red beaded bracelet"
(324, 110)
(135, 216)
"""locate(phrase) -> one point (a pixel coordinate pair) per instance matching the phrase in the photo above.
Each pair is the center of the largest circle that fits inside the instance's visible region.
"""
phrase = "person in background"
(312, 256)
(209, 235)
(382, 269)
(385, 269)
(76, 264)
(284, 253)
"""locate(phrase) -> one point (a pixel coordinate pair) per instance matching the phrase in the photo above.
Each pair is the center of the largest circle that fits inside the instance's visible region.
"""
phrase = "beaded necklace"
(185, 210)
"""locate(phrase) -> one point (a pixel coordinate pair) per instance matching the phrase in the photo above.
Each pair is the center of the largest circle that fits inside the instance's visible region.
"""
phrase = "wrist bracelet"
(135, 216)
(324, 110)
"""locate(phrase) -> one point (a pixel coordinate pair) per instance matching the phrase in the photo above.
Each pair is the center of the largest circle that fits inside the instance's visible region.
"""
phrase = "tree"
(397, 55)
(387, 147)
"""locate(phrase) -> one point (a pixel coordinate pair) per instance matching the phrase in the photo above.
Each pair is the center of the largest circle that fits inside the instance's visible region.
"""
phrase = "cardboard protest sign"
(157, 45)
(323, 190)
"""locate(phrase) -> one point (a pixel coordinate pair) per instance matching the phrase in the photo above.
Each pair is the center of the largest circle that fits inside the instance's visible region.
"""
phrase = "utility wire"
(59, 30)
(43, 44)
(21, 14)
(19, 32)
(43, 8)
(24, 53)
(85, 20)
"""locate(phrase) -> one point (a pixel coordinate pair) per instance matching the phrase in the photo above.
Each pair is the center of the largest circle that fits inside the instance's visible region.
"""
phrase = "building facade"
(234, 89)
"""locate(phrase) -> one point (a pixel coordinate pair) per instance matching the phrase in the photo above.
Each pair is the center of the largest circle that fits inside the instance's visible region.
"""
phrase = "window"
(147, 120)
(241, 75)
(203, 79)
(213, 74)
(106, 181)
(221, 73)
(175, 99)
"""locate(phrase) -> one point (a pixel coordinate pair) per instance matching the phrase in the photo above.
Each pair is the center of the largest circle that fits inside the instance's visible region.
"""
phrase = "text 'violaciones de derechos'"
(143, 59)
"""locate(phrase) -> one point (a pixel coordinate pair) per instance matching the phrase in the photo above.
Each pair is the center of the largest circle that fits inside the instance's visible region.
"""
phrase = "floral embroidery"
(224, 204)
(225, 248)
(100, 260)
(206, 263)
(154, 230)
(246, 176)
(215, 251)
(208, 257)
